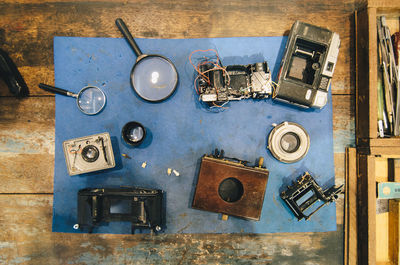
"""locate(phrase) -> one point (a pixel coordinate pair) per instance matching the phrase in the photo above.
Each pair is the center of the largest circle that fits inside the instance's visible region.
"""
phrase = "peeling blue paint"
(344, 138)
(96, 259)
(12, 146)
(19, 260)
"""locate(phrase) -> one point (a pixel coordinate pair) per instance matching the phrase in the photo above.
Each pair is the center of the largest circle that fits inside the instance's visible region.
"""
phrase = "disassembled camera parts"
(231, 187)
(141, 207)
(307, 66)
(305, 192)
(88, 154)
(288, 142)
(216, 84)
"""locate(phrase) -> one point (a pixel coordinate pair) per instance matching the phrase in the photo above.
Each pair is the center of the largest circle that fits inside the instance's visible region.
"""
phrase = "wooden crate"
(378, 232)
(350, 215)
(367, 71)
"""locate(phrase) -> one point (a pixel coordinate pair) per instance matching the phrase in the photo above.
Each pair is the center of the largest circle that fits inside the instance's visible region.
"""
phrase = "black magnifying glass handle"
(56, 90)
(128, 36)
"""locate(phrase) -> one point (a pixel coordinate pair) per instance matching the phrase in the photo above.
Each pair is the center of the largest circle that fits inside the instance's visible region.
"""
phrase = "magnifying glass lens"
(154, 78)
(91, 100)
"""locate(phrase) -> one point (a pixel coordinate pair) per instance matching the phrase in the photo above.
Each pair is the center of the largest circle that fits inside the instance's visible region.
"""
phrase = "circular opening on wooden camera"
(230, 190)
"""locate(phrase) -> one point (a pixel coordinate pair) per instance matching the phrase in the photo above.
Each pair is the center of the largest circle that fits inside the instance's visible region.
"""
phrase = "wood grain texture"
(362, 66)
(28, 28)
(27, 145)
(394, 231)
(366, 209)
(25, 222)
(383, 3)
(351, 208)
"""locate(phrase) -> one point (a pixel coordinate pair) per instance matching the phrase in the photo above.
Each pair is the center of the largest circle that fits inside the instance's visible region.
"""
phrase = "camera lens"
(290, 142)
(90, 153)
(133, 133)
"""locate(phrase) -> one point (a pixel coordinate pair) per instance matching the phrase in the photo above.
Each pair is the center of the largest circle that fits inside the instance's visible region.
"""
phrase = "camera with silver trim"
(307, 66)
(218, 84)
(88, 154)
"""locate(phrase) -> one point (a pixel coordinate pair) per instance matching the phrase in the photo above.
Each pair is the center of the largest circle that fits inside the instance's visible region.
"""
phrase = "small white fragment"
(144, 164)
(169, 171)
(176, 173)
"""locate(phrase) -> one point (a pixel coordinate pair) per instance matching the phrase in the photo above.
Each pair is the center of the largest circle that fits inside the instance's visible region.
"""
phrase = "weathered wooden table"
(27, 29)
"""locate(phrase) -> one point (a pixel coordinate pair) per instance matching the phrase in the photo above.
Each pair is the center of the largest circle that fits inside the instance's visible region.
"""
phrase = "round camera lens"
(90, 153)
(290, 142)
(135, 134)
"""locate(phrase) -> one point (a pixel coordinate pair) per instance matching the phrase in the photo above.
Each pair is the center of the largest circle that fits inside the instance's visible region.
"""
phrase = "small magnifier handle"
(56, 90)
(128, 36)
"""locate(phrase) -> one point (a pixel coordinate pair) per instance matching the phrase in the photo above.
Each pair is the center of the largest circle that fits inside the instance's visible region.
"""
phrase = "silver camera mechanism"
(216, 84)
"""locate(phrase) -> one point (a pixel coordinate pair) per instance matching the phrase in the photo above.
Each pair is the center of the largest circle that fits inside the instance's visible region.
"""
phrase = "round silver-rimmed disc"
(288, 142)
(154, 78)
(91, 100)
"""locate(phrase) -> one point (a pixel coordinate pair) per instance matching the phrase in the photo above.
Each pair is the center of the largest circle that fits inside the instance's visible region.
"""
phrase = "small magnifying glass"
(90, 100)
(153, 77)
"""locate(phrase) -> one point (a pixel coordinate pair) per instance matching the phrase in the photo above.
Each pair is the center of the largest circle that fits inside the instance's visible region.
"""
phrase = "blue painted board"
(181, 131)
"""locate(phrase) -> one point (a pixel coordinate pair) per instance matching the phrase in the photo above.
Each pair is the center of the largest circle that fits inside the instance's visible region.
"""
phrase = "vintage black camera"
(218, 85)
(141, 207)
(307, 66)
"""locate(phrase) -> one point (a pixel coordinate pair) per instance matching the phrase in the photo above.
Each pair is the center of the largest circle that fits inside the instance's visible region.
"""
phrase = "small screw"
(76, 226)
(158, 228)
(126, 156)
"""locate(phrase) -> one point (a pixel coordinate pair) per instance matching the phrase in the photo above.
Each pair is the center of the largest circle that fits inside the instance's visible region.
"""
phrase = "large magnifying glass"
(153, 77)
(90, 100)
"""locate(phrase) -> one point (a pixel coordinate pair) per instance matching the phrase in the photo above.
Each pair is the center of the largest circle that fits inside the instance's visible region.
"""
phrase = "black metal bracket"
(305, 192)
(141, 207)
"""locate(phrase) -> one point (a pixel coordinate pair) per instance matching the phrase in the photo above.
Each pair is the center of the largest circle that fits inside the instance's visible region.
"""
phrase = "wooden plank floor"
(27, 132)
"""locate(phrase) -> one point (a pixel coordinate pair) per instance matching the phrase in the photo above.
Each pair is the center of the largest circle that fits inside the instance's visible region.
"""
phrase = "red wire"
(206, 61)
(196, 68)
